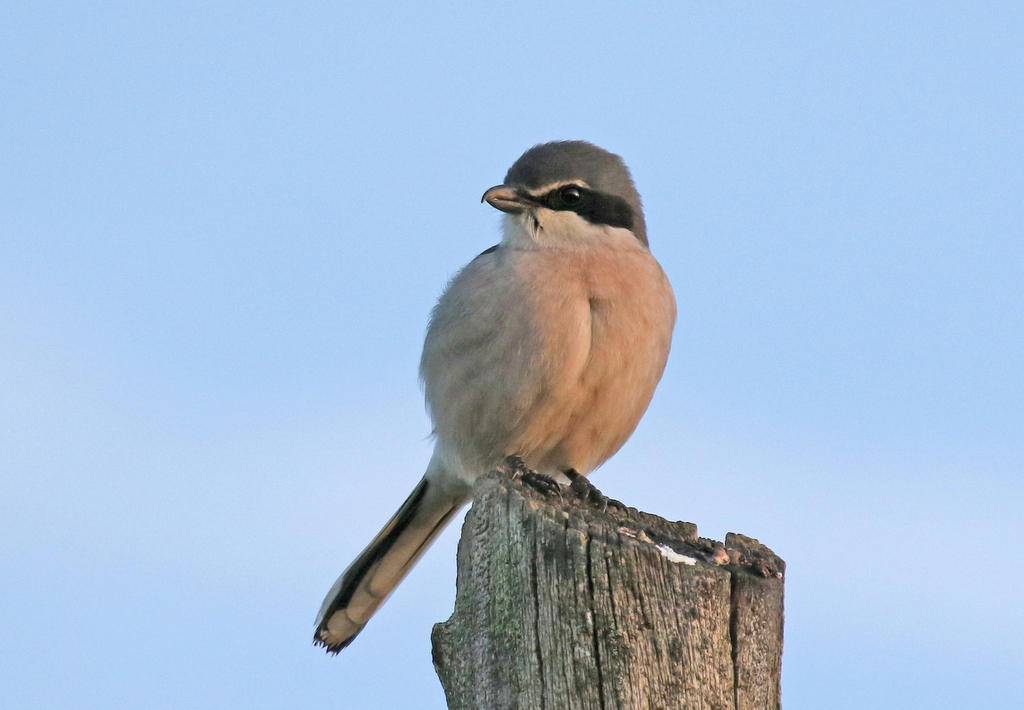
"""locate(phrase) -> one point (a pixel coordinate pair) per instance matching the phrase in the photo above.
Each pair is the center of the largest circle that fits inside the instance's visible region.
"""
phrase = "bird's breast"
(549, 354)
(605, 324)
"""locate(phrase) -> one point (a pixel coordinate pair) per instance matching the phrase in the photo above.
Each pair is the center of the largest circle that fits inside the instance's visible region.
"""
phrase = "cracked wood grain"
(561, 606)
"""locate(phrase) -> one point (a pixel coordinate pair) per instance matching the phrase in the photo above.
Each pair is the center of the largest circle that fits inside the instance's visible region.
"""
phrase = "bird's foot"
(544, 485)
(588, 493)
(516, 466)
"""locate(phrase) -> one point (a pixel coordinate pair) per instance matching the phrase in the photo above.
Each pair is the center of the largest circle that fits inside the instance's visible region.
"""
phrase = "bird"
(547, 347)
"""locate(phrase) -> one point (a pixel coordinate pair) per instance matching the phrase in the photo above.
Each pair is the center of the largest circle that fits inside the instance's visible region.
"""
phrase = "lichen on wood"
(564, 605)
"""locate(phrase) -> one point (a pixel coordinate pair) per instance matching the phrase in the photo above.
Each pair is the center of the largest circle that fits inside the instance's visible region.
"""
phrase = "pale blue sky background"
(222, 226)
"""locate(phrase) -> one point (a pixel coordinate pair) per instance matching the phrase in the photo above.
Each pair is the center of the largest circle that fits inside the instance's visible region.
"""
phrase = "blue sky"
(222, 227)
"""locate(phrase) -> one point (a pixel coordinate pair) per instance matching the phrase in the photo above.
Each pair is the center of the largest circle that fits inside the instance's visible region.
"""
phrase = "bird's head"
(570, 190)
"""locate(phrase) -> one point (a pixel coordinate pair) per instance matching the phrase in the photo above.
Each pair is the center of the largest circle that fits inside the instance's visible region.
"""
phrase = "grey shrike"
(547, 346)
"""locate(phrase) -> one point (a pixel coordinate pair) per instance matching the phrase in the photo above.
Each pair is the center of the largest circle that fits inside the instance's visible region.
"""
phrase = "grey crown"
(558, 161)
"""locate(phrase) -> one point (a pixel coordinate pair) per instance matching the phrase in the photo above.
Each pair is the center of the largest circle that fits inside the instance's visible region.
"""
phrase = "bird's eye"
(570, 195)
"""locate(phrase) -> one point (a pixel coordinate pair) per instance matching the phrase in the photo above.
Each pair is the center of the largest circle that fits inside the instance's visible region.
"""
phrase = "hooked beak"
(506, 199)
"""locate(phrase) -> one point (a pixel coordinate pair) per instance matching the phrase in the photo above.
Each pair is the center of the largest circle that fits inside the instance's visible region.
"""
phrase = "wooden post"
(562, 605)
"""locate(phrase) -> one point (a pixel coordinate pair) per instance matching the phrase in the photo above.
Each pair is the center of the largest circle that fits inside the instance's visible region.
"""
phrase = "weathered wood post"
(563, 605)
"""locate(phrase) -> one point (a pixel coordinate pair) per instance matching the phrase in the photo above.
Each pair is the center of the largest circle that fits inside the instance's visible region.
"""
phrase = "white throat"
(544, 228)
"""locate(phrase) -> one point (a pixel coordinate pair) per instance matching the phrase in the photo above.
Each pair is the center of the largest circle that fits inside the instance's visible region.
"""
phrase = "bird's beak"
(506, 199)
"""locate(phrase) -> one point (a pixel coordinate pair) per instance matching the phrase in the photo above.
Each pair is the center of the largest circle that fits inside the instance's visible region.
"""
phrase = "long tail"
(368, 581)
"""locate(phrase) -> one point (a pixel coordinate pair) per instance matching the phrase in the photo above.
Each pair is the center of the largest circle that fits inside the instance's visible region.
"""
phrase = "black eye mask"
(593, 206)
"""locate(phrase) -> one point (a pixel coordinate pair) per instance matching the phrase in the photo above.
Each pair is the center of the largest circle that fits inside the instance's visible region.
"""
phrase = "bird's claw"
(588, 493)
(545, 485)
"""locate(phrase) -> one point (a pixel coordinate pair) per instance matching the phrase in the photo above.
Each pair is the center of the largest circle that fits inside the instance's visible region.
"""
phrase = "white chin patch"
(562, 228)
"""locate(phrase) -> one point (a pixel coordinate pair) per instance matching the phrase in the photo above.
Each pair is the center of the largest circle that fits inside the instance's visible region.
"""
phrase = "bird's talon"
(542, 484)
(588, 493)
(517, 468)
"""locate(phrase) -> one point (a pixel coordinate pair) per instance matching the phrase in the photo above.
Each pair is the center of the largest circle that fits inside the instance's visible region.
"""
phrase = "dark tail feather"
(368, 581)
